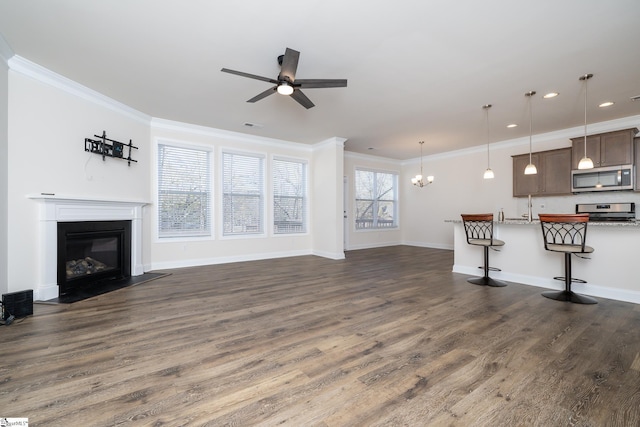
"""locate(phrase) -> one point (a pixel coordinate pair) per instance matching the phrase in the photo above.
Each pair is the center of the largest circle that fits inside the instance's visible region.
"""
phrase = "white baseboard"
(168, 265)
(590, 289)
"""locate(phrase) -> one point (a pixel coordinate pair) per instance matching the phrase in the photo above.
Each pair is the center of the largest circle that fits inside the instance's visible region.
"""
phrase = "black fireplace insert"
(91, 253)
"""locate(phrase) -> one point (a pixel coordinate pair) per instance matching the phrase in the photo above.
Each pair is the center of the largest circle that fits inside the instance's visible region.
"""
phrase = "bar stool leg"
(568, 295)
(486, 280)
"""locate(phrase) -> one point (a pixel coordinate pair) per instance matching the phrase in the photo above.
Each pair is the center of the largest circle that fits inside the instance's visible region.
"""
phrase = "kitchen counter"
(611, 270)
(522, 221)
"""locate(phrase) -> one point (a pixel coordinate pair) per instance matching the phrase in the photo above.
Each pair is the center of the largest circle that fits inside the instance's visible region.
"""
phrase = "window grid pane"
(289, 197)
(376, 200)
(184, 192)
(243, 198)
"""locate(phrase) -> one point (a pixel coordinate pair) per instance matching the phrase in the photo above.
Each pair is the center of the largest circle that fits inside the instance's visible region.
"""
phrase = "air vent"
(252, 125)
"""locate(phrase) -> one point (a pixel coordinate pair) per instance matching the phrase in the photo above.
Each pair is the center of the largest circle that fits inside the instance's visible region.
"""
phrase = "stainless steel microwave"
(609, 178)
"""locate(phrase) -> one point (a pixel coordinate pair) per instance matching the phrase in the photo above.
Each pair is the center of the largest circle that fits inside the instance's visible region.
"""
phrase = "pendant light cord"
(530, 126)
(586, 85)
(421, 144)
(486, 108)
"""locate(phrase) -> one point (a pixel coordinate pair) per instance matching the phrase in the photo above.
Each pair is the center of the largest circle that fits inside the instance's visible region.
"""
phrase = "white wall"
(326, 195)
(172, 253)
(5, 54)
(47, 128)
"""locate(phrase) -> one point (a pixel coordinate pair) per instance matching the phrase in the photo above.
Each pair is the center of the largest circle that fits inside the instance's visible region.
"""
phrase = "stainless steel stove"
(605, 212)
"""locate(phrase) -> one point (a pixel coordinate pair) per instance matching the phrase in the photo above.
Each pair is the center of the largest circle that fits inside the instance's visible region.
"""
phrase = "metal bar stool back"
(566, 233)
(479, 232)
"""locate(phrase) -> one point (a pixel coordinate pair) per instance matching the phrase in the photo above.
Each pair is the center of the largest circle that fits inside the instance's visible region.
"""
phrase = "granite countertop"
(523, 221)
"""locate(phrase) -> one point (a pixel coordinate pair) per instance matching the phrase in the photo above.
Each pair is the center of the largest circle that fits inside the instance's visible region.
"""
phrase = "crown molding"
(336, 141)
(5, 50)
(30, 69)
(372, 158)
(174, 126)
(594, 128)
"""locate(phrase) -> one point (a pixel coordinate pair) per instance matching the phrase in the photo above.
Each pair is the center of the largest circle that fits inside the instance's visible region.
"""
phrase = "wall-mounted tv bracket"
(109, 148)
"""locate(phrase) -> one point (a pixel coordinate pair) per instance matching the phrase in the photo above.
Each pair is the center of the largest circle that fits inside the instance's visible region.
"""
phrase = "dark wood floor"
(388, 336)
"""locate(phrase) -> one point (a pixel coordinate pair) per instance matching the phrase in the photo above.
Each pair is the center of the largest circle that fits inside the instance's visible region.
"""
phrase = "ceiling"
(416, 70)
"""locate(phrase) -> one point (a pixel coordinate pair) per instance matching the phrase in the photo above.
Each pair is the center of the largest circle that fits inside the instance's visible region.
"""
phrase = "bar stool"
(566, 233)
(479, 230)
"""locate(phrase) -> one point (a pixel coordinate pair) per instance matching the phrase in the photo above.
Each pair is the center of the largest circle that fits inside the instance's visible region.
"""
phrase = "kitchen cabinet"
(553, 177)
(605, 149)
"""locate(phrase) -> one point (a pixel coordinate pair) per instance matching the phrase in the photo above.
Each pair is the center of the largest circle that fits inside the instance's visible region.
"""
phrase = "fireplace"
(56, 209)
(91, 253)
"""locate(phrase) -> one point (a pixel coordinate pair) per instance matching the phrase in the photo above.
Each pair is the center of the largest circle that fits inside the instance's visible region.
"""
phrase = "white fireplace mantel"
(57, 208)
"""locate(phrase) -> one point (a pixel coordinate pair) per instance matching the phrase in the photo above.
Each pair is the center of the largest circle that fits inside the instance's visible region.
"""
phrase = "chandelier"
(417, 180)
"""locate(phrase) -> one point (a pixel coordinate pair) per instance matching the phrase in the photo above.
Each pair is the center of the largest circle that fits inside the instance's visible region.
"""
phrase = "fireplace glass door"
(92, 252)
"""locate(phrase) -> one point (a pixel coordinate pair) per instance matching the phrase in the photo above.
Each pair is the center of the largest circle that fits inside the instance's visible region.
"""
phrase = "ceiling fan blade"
(251, 76)
(320, 83)
(302, 99)
(289, 65)
(264, 94)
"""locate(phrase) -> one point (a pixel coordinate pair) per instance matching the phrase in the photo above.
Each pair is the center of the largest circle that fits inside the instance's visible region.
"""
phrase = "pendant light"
(417, 180)
(531, 168)
(585, 162)
(488, 174)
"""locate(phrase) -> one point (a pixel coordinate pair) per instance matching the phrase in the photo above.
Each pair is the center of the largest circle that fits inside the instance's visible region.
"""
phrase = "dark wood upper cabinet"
(553, 177)
(605, 149)
(523, 185)
(556, 172)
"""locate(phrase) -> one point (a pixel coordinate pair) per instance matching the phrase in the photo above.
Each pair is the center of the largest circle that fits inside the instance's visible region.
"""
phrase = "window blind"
(289, 196)
(243, 193)
(184, 192)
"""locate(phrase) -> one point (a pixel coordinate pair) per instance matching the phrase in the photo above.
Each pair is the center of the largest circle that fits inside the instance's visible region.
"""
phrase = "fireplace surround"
(54, 209)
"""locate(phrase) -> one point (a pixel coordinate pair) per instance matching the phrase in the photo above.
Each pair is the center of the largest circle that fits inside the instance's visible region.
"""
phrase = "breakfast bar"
(610, 272)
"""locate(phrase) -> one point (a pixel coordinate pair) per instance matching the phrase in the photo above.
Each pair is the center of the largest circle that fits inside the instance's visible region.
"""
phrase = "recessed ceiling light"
(606, 104)
(635, 98)
(512, 125)
(551, 95)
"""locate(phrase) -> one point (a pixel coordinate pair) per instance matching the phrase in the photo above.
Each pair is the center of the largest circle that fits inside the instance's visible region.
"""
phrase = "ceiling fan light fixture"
(285, 88)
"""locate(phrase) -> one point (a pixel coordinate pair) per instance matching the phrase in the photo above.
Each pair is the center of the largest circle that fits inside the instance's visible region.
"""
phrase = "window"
(376, 199)
(289, 196)
(184, 192)
(243, 194)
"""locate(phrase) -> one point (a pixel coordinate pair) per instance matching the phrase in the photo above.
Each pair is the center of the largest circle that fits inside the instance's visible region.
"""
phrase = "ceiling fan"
(286, 83)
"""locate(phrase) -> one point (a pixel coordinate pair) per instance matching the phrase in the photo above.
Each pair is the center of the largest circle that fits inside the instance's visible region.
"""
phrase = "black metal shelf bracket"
(109, 148)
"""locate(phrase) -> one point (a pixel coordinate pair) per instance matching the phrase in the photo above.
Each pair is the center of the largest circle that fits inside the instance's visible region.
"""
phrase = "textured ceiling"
(416, 70)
